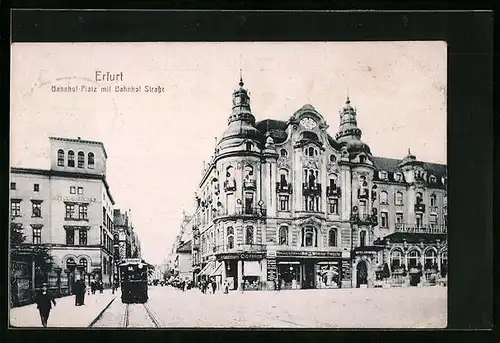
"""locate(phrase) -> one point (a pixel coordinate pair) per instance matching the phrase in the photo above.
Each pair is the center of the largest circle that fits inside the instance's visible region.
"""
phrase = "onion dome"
(409, 159)
(349, 135)
(241, 121)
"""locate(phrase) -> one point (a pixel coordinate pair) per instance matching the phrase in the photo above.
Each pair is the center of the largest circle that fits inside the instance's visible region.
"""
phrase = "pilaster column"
(240, 274)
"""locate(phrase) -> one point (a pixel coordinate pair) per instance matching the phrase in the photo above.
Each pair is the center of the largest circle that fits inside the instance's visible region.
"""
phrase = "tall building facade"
(68, 208)
(285, 204)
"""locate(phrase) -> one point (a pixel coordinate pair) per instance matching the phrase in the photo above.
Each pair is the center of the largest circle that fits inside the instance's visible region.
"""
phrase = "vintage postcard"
(220, 185)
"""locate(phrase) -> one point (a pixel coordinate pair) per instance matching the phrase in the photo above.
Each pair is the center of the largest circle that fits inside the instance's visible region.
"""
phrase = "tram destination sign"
(337, 254)
(241, 256)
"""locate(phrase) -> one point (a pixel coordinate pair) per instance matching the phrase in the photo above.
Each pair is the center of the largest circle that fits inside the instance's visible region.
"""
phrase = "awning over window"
(251, 268)
(208, 268)
(217, 270)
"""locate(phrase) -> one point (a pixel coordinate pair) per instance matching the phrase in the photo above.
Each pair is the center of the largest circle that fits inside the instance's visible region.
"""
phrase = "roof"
(78, 140)
(276, 128)
(391, 165)
(186, 247)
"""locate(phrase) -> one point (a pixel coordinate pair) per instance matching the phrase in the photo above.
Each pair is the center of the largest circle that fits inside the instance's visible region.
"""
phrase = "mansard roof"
(391, 165)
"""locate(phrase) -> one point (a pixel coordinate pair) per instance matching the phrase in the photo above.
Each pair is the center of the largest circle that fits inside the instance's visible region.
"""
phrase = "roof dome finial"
(241, 79)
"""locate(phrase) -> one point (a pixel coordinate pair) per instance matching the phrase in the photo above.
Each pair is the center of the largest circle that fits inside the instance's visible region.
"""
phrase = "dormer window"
(432, 179)
(362, 159)
(283, 153)
(248, 146)
(382, 175)
(333, 158)
(398, 177)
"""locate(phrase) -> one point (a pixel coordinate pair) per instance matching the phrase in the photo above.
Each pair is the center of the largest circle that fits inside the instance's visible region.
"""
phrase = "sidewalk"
(65, 313)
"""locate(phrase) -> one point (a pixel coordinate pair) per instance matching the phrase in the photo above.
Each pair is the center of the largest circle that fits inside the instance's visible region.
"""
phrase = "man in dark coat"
(44, 302)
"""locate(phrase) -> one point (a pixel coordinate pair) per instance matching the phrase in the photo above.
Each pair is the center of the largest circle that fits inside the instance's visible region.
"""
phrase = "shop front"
(311, 269)
(242, 270)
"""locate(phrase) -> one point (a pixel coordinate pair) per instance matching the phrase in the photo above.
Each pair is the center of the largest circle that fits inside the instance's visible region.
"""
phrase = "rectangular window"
(433, 221)
(334, 206)
(36, 187)
(15, 208)
(419, 220)
(82, 211)
(72, 190)
(70, 237)
(399, 218)
(80, 190)
(384, 219)
(37, 235)
(12, 186)
(70, 211)
(284, 203)
(82, 238)
(36, 209)
(362, 208)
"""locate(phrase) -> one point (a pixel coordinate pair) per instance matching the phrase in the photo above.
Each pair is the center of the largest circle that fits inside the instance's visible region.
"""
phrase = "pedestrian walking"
(226, 287)
(101, 286)
(92, 286)
(83, 288)
(214, 286)
(44, 301)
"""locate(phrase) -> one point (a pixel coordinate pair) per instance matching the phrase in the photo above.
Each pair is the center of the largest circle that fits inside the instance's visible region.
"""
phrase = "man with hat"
(44, 302)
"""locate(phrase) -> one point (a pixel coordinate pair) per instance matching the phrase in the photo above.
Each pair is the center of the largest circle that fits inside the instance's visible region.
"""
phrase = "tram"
(134, 280)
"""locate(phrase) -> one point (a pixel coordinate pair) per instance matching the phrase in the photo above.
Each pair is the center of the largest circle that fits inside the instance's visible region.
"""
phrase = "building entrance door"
(362, 274)
(309, 278)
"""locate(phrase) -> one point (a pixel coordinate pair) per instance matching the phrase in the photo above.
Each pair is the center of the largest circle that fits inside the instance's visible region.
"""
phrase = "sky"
(157, 142)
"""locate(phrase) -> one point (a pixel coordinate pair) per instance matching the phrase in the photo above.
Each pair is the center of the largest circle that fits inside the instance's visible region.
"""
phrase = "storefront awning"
(217, 270)
(208, 268)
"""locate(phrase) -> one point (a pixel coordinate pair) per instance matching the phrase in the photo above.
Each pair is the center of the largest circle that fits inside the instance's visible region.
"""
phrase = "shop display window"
(289, 276)
(327, 274)
(251, 283)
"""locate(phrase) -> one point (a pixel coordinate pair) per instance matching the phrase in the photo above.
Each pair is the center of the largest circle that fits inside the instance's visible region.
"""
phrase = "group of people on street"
(211, 286)
(44, 299)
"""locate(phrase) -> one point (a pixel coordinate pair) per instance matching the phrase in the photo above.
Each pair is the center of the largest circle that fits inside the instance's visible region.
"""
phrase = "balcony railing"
(366, 219)
(333, 191)
(242, 211)
(363, 193)
(250, 184)
(419, 208)
(241, 248)
(283, 187)
(311, 189)
(414, 228)
(230, 184)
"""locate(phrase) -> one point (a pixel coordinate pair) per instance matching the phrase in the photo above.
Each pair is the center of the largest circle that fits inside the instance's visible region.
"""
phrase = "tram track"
(126, 323)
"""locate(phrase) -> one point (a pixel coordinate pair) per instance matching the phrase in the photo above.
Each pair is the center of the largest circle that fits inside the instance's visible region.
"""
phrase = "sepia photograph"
(229, 185)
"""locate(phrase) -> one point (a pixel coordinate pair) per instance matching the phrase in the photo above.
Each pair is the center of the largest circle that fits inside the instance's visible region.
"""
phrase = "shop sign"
(337, 254)
(240, 256)
(346, 270)
(74, 198)
(271, 269)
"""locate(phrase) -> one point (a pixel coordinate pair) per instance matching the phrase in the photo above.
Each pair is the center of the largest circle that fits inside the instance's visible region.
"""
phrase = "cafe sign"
(336, 254)
(240, 256)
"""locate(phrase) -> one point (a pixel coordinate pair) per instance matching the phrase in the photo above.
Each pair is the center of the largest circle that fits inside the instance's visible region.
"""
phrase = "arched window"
(311, 151)
(362, 238)
(84, 264)
(332, 238)
(283, 177)
(230, 238)
(432, 179)
(433, 200)
(362, 159)
(248, 172)
(283, 153)
(383, 197)
(430, 258)
(248, 146)
(91, 160)
(396, 259)
(81, 159)
(333, 181)
(418, 198)
(332, 158)
(283, 235)
(60, 158)
(71, 158)
(309, 237)
(399, 198)
(413, 258)
(70, 262)
(249, 235)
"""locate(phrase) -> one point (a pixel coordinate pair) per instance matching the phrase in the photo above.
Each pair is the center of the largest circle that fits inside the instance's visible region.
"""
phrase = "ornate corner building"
(285, 204)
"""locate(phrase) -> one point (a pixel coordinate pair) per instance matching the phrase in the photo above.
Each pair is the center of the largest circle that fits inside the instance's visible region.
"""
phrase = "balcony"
(230, 184)
(363, 193)
(242, 212)
(364, 219)
(283, 187)
(333, 192)
(419, 208)
(311, 189)
(414, 228)
(250, 184)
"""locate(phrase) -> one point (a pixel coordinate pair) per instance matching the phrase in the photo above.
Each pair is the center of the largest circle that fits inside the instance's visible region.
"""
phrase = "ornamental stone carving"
(283, 163)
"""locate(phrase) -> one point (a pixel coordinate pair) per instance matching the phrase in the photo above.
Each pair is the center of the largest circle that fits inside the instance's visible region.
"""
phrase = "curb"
(101, 313)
